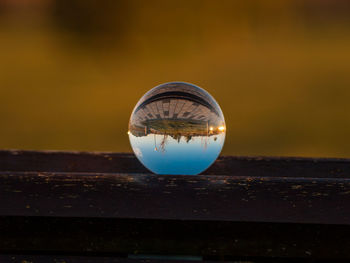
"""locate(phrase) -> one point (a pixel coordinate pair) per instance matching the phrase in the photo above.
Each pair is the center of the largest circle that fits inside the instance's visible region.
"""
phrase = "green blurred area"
(72, 71)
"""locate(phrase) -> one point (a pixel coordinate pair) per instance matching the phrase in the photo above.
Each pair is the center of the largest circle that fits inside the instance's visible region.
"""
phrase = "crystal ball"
(177, 128)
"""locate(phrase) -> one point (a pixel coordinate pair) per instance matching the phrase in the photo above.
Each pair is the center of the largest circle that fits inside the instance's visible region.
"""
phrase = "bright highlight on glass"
(177, 128)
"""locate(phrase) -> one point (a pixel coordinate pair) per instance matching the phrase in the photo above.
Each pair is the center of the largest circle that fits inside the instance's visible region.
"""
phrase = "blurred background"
(71, 71)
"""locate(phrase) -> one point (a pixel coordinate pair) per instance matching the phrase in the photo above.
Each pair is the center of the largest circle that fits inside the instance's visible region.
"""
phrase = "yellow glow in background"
(72, 71)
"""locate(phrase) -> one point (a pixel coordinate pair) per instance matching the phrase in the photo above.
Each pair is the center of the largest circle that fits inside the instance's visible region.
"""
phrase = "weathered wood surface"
(11, 258)
(93, 259)
(232, 198)
(108, 204)
(55, 161)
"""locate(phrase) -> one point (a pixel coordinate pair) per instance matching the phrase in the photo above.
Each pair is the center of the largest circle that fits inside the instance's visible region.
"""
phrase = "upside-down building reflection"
(176, 112)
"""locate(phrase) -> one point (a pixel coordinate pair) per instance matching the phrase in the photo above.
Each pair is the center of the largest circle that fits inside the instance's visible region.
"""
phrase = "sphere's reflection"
(177, 128)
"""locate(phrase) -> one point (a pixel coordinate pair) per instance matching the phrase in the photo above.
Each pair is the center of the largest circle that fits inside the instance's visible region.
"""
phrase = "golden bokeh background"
(71, 71)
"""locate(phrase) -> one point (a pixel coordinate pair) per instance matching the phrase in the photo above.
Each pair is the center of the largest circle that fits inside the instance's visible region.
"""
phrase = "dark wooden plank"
(51, 161)
(82, 259)
(55, 161)
(107, 204)
(203, 197)
(11, 258)
(210, 240)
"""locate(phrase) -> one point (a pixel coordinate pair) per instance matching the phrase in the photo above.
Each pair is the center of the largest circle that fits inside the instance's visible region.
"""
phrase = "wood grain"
(109, 205)
(203, 197)
(99, 162)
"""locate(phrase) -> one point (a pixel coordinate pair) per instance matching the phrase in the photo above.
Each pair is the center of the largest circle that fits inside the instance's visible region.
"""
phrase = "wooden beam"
(203, 197)
(108, 204)
(100, 162)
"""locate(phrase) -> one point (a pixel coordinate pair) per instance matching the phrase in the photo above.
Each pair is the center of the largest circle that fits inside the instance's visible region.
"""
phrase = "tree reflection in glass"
(177, 128)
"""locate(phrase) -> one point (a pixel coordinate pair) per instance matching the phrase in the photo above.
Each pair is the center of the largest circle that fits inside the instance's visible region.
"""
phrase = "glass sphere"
(177, 128)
